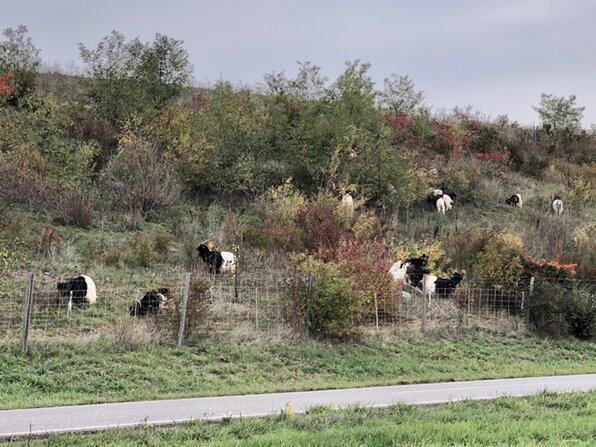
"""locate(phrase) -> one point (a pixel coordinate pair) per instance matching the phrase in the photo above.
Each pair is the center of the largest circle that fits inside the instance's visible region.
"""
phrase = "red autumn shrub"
(322, 227)
(367, 263)
(403, 127)
(4, 87)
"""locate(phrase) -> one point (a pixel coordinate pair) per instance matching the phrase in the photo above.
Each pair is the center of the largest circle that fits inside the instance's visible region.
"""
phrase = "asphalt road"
(43, 421)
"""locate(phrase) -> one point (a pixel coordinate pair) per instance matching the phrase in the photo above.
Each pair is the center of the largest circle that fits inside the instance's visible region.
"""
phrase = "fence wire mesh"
(261, 303)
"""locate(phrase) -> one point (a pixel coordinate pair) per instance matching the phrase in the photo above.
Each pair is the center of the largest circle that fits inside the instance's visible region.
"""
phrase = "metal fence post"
(236, 299)
(424, 308)
(256, 308)
(376, 311)
(27, 307)
(183, 309)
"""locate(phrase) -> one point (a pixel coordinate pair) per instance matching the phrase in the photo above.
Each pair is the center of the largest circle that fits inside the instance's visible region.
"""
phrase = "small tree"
(128, 78)
(400, 95)
(559, 113)
(20, 57)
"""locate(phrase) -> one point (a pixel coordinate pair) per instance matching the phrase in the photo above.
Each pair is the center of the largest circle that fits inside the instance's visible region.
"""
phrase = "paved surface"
(42, 421)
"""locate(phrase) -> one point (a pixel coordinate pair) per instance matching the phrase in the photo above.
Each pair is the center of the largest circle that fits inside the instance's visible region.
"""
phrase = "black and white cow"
(441, 287)
(150, 304)
(82, 288)
(218, 261)
(410, 271)
(515, 200)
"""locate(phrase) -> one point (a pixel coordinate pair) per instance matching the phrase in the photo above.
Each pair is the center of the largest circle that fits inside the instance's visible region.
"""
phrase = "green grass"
(544, 419)
(78, 373)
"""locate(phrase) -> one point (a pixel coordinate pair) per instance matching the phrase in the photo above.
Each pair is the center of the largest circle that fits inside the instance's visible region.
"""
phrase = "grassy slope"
(84, 373)
(505, 422)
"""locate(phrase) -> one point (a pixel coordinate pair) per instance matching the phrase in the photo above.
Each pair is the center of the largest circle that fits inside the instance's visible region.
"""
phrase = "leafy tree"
(164, 69)
(19, 57)
(400, 95)
(559, 113)
(132, 78)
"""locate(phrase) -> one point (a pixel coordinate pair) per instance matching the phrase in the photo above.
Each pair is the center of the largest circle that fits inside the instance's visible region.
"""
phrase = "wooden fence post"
(309, 292)
(27, 307)
(183, 309)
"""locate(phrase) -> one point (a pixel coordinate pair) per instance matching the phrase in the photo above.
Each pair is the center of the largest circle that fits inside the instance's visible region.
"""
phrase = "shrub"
(367, 264)
(161, 239)
(281, 205)
(500, 258)
(334, 308)
(139, 176)
(112, 256)
(562, 309)
(48, 240)
(580, 314)
(367, 226)
(76, 208)
(322, 226)
(141, 248)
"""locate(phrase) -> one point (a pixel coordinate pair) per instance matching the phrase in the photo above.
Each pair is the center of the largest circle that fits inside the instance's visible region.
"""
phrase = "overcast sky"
(497, 55)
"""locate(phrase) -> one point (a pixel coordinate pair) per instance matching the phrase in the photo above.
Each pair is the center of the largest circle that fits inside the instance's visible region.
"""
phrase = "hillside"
(124, 188)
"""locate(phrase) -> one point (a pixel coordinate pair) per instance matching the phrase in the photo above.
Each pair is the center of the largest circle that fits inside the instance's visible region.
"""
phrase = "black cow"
(445, 287)
(415, 269)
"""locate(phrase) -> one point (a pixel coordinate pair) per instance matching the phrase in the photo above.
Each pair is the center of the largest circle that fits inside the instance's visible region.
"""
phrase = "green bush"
(333, 307)
(500, 258)
(559, 308)
(141, 249)
(580, 314)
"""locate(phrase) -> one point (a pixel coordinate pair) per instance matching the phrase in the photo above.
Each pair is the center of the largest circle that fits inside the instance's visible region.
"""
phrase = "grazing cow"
(442, 287)
(82, 288)
(445, 287)
(441, 199)
(428, 286)
(218, 261)
(415, 269)
(398, 271)
(150, 304)
(557, 205)
(347, 200)
(411, 271)
(515, 200)
(448, 201)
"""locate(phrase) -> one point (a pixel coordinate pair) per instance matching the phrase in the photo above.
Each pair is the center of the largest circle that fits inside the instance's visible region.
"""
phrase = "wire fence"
(265, 304)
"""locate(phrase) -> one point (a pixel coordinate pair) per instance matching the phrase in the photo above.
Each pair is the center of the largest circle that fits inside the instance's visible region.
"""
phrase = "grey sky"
(496, 55)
